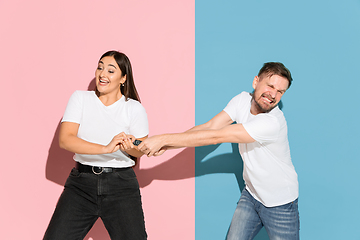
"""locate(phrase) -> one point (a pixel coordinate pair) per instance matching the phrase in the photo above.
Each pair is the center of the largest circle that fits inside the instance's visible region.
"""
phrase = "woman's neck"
(109, 98)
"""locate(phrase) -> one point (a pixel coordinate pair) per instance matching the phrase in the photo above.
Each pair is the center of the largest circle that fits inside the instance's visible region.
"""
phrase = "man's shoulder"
(242, 97)
(277, 116)
(277, 113)
(244, 94)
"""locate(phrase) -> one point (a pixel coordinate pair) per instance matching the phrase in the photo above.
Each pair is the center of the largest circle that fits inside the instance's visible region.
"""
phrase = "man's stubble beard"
(258, 105)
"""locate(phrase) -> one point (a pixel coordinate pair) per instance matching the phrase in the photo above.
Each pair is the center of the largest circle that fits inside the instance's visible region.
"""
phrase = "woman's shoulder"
(80, 96)
(84, 94)
(134, 105)
(132, 102)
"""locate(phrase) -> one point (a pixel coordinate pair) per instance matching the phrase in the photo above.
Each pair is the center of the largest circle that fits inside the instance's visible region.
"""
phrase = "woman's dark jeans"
(114, 197)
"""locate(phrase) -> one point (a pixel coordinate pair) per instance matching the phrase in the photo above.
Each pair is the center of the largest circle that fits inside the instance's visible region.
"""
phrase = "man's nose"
(273, 93)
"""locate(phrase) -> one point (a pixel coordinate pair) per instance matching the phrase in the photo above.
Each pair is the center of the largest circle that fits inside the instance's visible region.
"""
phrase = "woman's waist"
(105, 160)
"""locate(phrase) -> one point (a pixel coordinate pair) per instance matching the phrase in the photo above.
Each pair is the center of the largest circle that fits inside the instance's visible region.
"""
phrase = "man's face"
(268, 91)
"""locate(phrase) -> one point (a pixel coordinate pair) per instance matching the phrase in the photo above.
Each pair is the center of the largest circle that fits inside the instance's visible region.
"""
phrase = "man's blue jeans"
(281, 222)
(114, 197)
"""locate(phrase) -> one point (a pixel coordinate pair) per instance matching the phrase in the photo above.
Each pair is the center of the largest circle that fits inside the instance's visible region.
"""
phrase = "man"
(270, 197)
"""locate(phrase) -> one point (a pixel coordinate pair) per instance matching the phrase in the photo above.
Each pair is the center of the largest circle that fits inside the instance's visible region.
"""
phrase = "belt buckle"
(97, 173)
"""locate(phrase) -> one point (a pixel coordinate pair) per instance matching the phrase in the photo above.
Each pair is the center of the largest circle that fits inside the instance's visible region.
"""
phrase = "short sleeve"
(263, 128)
(73, 111)
(139, 126)
(232, 107)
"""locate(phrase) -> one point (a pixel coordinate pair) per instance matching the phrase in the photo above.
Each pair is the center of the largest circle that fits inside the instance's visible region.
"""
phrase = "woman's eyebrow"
(112, 66)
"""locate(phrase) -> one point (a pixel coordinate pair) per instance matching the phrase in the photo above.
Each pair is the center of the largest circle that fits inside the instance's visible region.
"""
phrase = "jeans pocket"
(127, 179)
(128, 174)
(74, 177)
(294, 204)
(74, 173)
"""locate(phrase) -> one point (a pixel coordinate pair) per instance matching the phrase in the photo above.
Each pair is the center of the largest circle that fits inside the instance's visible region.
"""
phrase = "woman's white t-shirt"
(100, 123)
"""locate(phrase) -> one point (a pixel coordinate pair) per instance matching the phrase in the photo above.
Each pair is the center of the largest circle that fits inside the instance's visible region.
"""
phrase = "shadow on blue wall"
(223, 163)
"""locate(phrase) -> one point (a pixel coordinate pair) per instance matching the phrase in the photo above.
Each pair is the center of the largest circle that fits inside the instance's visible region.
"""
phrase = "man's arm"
(221, 120)
(218, 130)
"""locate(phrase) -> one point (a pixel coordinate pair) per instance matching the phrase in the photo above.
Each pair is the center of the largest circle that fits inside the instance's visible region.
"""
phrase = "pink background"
(49, 49)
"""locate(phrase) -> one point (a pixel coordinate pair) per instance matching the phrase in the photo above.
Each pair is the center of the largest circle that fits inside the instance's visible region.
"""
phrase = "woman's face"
(108, 76)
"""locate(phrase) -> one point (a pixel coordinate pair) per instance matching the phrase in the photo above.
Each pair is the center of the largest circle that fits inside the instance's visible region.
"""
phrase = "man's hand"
(153, 146)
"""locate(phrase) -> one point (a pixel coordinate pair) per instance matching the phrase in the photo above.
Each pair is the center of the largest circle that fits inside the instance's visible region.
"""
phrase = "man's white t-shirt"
(100, 123)
(269, 174)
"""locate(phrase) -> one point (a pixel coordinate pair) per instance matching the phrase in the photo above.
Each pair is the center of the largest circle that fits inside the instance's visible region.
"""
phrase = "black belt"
(97, 170)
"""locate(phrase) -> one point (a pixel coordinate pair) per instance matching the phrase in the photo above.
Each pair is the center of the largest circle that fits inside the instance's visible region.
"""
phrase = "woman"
(99, 127)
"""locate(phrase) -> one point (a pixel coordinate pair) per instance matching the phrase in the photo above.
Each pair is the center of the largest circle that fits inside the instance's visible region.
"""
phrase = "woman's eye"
(99, 68)
(111, 71)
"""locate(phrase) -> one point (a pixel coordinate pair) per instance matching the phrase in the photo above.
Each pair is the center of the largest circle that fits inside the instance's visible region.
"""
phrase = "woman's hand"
(124, 142)
(127, 143)
(68, 140)
(119, 141)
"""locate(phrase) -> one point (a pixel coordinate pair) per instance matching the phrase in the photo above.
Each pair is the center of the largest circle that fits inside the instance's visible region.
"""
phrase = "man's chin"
(266, 109)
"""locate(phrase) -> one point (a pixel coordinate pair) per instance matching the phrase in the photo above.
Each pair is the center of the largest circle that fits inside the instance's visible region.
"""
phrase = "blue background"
(319, 42)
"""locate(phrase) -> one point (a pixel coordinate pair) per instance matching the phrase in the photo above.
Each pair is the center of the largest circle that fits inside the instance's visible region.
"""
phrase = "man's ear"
(255, 81)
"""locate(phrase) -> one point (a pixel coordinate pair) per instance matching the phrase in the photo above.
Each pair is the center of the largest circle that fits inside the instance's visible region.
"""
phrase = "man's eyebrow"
(280, 90)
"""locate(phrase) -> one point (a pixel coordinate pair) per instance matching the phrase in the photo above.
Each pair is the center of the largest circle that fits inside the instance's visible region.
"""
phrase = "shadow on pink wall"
(60, 162)
(58, 166)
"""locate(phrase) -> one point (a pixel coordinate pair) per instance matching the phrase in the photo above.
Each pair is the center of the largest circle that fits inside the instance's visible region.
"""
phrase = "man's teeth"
(268, 100)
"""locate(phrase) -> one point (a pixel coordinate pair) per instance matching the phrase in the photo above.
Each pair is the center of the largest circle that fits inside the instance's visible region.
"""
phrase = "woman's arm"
(69, 140)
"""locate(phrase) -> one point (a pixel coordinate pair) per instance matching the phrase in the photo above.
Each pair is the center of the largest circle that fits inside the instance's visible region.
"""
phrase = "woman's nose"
(102, 73)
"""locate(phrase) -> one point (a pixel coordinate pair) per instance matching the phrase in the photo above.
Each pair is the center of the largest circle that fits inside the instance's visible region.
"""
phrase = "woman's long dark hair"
(129, 89)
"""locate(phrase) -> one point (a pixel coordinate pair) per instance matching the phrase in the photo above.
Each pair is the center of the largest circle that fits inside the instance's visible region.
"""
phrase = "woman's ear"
(123, 79)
